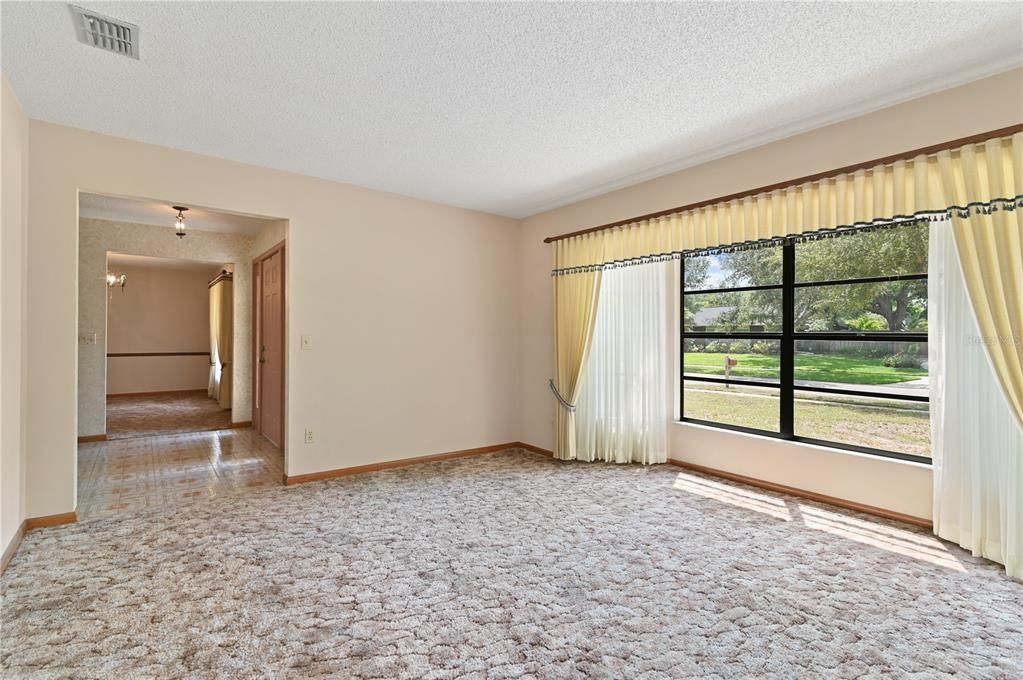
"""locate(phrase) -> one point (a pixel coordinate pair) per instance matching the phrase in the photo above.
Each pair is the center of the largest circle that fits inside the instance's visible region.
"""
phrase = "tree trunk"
(894, 309)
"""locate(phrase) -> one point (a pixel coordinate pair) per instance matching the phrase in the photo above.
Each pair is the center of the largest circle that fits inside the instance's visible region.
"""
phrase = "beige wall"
(161, 309)
(14, 149)
(272, 234)
(977, 107)
(98, 237)
(410, 306)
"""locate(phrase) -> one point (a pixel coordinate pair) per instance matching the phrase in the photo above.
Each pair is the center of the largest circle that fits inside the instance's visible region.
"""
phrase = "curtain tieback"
(564, 402)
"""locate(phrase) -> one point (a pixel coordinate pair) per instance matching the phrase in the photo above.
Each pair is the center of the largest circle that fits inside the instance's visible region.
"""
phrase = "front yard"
(816, 367)
(878, 423)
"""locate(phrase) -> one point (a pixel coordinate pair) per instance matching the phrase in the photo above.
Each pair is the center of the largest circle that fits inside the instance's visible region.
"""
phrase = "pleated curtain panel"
(221, 332)
(575, 312)
(213, 391)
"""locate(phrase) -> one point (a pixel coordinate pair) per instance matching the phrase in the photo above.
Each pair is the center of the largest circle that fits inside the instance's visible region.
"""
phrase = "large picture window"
(821, 341)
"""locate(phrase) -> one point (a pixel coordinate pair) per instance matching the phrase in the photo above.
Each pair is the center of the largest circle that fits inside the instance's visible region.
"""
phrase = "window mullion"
(682, 340)
(787, 358)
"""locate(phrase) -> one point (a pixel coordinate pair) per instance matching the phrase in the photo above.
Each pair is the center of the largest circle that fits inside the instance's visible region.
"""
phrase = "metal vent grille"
(106, 33)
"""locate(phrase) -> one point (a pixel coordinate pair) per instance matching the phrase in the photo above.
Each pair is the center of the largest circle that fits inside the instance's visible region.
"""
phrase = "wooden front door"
(268, 273)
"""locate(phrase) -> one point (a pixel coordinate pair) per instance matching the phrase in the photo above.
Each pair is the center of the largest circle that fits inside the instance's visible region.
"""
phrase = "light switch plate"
(307, 342)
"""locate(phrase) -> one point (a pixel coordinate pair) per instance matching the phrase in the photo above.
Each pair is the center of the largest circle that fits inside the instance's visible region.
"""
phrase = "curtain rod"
(884, 160)
(222, 276)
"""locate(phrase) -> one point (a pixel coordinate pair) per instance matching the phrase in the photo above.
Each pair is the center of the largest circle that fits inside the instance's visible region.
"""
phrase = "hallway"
(119, 477)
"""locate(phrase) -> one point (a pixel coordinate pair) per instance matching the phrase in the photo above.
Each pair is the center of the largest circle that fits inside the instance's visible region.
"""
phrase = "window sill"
(831, 450)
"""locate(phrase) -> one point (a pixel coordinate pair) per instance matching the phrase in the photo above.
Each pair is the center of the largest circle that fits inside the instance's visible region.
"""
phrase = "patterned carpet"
(504, 566)
(131, 416)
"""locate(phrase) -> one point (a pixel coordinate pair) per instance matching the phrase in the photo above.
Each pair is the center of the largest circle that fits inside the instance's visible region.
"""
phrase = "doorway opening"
(165, 370)
(169, 346)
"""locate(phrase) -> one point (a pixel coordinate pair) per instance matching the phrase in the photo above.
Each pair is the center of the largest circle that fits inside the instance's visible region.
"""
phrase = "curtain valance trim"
(964, 212)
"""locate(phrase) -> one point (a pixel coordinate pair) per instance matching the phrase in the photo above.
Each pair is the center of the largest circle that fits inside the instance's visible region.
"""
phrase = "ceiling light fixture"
(179, 222)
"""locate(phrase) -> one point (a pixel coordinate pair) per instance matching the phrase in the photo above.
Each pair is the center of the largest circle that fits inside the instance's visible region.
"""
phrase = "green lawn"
(819, 367)
(880, 424)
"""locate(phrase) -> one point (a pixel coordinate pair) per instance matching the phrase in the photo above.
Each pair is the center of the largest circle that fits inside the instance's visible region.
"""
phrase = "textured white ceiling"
(161, 214)
(508, 108)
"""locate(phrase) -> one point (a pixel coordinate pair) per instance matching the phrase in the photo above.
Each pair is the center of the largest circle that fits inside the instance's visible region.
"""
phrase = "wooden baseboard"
(157, 393)
(92, 438)
(51, 520)
(402, 462)
(535, 449)
(802, 493)
(34, 523)
(12, 547)
(241, 424)
(742, 479)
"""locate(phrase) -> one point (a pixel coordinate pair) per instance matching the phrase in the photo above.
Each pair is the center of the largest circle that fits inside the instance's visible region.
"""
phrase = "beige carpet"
(502, 566)
(131, 416)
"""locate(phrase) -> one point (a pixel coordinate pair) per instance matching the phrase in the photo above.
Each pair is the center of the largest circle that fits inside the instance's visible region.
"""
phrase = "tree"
(902, 304)
(695, 270)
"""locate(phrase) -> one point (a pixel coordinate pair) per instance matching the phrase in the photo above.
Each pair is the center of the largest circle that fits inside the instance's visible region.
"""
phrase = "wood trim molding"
(802, 493)
(241, 424)
(535, 449)
(34, 523)
(121, 355)
(92, 438)
(401, 462)
(257, 283)
(742, 479)
(51, 520)
(157, 393)
(279, 245)
(885, 160)
(12, 547)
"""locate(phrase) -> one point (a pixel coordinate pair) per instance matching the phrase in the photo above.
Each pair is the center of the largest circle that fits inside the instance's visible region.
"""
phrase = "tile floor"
(122, 476)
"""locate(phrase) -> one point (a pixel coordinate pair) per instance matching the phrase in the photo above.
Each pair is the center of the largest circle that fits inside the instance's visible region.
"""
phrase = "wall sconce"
(179, 222)
(116, 280)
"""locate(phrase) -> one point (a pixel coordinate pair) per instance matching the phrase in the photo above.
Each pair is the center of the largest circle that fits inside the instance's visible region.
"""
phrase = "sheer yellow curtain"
(575, 308)
(990, 247)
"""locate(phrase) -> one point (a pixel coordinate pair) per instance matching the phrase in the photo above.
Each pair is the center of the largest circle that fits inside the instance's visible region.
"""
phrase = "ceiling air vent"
(106, 33)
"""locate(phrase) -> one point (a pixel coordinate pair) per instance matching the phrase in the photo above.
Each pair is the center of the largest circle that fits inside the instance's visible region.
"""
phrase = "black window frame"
(787, 338)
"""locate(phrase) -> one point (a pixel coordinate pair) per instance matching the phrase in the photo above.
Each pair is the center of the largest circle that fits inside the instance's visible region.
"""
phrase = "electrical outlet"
(308, 436)
(307, 342)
